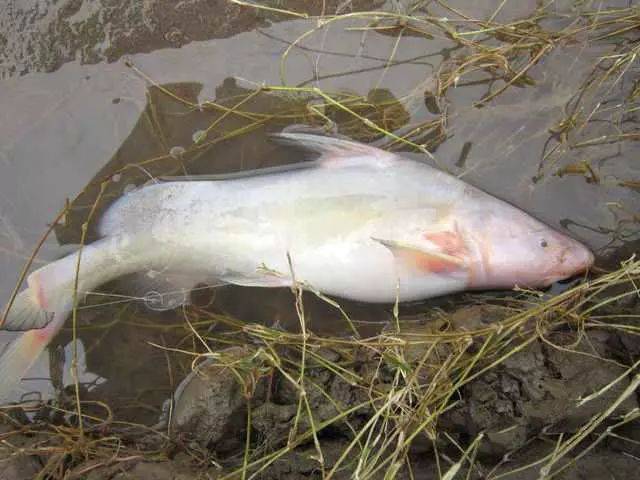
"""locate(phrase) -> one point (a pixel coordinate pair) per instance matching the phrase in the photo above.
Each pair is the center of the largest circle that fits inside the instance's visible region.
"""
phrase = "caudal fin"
(23, 352)
(40, 313)
(26, 313)
(47, 303)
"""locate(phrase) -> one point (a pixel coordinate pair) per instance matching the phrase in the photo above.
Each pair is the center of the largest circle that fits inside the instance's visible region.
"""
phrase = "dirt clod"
(20, 467)
(210, 406)
(537, 388)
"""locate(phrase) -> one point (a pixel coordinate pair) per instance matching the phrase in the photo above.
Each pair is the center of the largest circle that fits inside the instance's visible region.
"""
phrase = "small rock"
(210, 403)
(273, 421)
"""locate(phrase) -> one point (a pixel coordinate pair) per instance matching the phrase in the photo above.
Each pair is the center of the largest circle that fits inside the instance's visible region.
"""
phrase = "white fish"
(357, 223)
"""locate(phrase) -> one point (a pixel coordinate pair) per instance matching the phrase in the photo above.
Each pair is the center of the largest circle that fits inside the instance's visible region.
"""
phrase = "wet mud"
(229, 403)
(42, 35)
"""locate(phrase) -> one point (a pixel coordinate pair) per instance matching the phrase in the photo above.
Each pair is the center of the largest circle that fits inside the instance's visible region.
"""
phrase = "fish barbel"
(357, 223)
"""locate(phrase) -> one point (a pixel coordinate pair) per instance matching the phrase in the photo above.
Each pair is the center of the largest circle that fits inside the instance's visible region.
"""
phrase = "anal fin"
(262, 277)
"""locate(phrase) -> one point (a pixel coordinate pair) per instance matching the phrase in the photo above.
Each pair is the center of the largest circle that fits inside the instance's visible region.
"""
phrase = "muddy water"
(81, 123)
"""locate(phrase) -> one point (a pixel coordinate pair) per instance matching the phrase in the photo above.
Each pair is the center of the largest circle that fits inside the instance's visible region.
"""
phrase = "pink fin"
(424, 260)
(26, 313)
(449, 242)
(23, 352)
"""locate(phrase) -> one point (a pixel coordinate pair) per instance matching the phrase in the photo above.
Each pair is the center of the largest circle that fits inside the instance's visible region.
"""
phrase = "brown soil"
(519, 405)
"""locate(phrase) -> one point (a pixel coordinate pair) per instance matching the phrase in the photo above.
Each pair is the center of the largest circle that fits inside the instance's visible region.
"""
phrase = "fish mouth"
(576, 260)
(548, 281)
(581, 259)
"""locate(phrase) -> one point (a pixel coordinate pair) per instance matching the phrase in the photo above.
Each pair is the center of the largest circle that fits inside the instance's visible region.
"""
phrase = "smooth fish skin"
(357, 223)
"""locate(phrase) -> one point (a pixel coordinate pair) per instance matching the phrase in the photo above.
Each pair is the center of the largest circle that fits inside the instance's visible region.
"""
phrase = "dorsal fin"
(336, 152)
(333, 153)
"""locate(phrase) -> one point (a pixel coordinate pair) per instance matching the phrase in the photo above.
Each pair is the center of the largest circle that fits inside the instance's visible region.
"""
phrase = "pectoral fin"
(423, 260)
(447, 241)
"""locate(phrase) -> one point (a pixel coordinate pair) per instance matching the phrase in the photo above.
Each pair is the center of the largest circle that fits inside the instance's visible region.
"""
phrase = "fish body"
(336, 226)
(357, 223)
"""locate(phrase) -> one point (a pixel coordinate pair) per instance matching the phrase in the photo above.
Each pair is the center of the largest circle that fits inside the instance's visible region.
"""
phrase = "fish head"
(513, 248)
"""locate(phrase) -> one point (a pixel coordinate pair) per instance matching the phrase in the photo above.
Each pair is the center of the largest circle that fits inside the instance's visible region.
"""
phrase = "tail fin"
(30, 311)
(49, 299)
(23, 352)
(26, 313)
(51, 288)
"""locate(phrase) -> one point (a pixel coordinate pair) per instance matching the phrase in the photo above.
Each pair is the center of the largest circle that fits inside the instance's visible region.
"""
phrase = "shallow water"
(82, 123)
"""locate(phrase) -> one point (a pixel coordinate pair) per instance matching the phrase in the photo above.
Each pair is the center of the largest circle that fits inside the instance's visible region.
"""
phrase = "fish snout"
(573, 259)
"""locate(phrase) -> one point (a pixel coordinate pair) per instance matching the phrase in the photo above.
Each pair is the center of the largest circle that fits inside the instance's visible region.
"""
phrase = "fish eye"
(543, 243)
